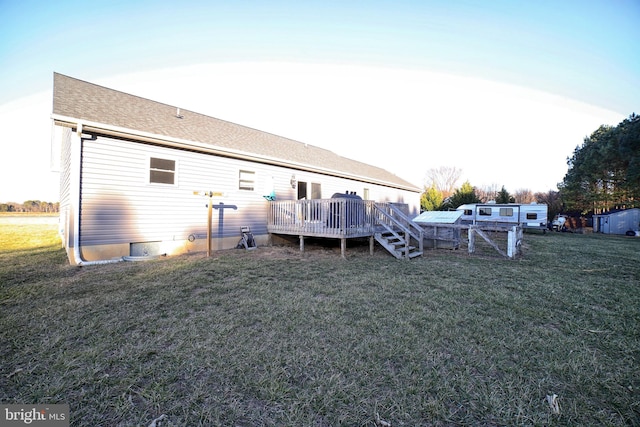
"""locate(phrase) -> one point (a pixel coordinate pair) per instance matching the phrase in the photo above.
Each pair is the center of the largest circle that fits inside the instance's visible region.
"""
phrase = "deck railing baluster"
(337, 218)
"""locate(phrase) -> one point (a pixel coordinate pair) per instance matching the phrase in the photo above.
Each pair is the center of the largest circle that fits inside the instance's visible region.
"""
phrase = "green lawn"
(277, 338)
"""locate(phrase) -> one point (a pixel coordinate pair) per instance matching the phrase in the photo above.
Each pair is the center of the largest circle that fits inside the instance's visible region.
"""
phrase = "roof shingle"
(90, 102)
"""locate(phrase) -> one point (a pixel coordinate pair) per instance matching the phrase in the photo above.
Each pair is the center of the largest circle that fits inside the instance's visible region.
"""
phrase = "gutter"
(120, 132)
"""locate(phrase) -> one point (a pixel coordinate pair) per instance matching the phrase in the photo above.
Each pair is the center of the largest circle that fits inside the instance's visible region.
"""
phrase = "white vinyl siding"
(119, 205)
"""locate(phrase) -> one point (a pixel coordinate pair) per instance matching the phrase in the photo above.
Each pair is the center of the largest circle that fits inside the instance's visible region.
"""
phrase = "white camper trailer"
(531, 216)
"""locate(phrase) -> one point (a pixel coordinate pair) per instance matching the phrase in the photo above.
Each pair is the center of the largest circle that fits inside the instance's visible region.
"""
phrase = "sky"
(502, 90)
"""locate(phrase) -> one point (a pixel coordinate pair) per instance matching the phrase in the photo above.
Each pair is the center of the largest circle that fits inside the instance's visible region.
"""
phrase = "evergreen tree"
(431, 199)
(604, 172)
(463, 195)
(503, 196)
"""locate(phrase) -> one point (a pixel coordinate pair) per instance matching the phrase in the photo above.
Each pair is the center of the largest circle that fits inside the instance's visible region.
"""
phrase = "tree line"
(604, 172)
(435, 199)
(36, 206)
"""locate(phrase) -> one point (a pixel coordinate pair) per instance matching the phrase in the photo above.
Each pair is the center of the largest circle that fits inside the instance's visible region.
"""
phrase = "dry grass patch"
(274, 337)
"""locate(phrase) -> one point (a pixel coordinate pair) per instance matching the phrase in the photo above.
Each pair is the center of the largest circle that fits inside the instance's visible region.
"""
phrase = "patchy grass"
(273, 337)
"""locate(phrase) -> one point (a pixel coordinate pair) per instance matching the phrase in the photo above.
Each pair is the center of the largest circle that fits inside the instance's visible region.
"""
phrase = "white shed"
(617, 222)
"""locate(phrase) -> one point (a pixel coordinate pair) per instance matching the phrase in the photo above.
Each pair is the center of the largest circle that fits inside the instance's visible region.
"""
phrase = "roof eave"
(121, 132)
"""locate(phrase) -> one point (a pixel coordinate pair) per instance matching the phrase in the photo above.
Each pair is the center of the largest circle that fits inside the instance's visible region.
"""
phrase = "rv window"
(468, 212)
(246, 180)
(506, 211)
(532, 215)
(162, 171)
(484, 211)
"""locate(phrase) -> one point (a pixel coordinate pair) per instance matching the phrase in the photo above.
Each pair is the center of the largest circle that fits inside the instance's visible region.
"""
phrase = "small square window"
(246, 180)
(506, 211)
(162, 171)
(484, 211)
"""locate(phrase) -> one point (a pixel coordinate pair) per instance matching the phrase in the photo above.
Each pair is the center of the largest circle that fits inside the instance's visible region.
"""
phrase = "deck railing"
(340, 218)
(394, 217)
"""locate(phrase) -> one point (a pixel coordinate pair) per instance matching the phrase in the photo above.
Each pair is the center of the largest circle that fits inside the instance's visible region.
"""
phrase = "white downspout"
(76, 154)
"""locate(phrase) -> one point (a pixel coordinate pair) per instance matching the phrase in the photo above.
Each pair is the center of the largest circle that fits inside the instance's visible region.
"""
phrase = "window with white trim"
(316, 190)
(246, 180)
(162, 171)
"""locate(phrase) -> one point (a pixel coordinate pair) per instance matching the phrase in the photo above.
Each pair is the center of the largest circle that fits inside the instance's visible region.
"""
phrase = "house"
(137, 176)
(619, 222)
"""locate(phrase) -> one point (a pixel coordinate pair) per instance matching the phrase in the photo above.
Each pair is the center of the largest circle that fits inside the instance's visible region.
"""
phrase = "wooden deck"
(331, 218)
(387, 223)
(345, 219)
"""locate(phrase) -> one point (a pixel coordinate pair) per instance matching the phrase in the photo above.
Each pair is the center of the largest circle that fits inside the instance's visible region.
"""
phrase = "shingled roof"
(79, 101)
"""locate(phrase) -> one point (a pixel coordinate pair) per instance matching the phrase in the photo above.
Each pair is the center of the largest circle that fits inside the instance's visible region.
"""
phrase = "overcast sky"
(503, 90)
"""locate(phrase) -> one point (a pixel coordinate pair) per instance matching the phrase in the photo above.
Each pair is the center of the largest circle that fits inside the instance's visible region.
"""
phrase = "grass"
(276, 338)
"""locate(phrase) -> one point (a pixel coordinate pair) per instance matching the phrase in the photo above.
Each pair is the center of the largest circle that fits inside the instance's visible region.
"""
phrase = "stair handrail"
(406, 229)
(397, 212)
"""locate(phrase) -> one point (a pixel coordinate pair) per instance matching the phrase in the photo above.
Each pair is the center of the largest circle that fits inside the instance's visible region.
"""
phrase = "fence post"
(472, 240)
(511, 242)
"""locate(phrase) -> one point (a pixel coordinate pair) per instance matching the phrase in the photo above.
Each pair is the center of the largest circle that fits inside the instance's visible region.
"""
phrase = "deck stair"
(398, 234)
(397, 245)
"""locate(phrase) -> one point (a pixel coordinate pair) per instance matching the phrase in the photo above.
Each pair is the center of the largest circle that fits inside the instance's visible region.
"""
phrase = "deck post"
(301, 243)
(343, 247)
(371, 244)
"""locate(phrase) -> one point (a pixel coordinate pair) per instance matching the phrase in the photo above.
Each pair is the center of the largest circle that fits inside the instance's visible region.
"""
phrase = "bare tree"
(487, 193)
(444, 179)
(553, 201)
(524, 196)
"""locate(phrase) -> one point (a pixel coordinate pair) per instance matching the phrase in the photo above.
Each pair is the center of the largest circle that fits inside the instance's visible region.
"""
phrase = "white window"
(162, 171)
(246, 180)
(316, 190)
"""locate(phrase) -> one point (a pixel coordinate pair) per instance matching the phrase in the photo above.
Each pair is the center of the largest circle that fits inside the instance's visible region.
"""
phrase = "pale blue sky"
(584, 51)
